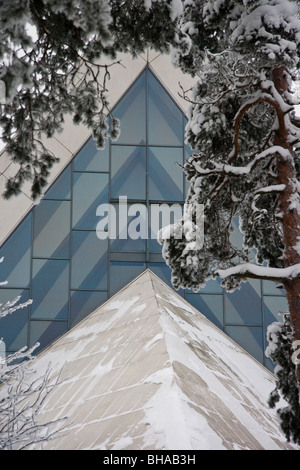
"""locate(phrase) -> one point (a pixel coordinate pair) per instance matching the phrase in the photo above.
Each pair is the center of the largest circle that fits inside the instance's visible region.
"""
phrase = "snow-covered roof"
(147, 371)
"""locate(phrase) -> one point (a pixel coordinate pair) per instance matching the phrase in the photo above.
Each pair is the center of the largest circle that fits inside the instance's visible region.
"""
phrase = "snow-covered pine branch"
(250, 270)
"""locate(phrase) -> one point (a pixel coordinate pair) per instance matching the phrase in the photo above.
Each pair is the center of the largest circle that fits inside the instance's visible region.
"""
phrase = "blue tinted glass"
(50, 289)
(89, 261)
(250, 338)
(128, 172)
(165, 176)
(85, 302)
(213, 286)
(16, 252)
(244, 305)
(61, 188)
(121, 273)
(273, 306)
(273, 288)
(14, 327)
(45, 332)
(209, 305)
(51, 229)
(132, 114)
(89, 158)
(131, 228)
(165, 118)
(90, 190)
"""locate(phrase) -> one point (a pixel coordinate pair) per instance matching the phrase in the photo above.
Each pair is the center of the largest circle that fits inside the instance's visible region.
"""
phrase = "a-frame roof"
(147, 371)
(66, 144)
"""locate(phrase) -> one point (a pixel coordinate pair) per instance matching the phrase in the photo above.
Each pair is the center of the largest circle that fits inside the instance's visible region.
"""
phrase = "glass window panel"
(161, 215)
(273, 306)
(14, 327)
(15, 268)
(61, 188)
(165, 118)
(244, 305)
(52, 229)
(131, 228)
(85, 302)
(89, 261)
(90, 190)
(165, 176)
(45, 332)
(128, 172)
(121, 273)
(50, 289)
(132, 113)
(89, 158)
(209, 305)
(249, 338)
(273, 288)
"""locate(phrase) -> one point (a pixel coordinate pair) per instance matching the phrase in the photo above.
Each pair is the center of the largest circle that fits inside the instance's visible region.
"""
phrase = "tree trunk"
(290, 213)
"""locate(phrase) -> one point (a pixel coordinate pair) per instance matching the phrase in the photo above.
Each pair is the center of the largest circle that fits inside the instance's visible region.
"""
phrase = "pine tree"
(245, 135)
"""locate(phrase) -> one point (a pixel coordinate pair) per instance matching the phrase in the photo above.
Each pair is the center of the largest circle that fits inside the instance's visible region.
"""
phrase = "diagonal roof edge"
(66, 144)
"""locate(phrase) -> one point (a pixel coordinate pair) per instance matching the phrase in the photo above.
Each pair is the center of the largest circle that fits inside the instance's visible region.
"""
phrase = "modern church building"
(58, 252)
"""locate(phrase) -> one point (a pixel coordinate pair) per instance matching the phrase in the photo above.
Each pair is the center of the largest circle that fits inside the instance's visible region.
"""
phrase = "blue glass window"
(90, 190)
(128, 172)
(89, 158)
(52, 220)
(160, 216)
(165, 176)
(273, 306)
(250, 338)
(131, 229)
(15, 268)
(121, 273)
(45, 332)
(132, 113)
(85, 302)
(61, 188)
(14, 327)
(244, 305)
(50, 289)
(165, 118)
(209, 305)
(89, 261)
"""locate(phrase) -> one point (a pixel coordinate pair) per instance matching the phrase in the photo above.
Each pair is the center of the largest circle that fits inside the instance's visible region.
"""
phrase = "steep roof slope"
(148, 371)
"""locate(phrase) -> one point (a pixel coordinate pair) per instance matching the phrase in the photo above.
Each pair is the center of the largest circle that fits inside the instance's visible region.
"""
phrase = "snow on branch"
(231, 170)
(249, 270)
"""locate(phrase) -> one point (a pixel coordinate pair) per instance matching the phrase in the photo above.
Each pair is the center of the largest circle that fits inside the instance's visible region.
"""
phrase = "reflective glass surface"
(165, 176)
(89, 261)
(131, 228)
(244, 305)
(89, 191)
(50, 289)
(209, 305)
(45, 332)
(89, 158)
(250, 338)
(121, 273)
(165, 118)
(61, 188)
(128, 172)
(85, 302)
(132, 113)
(51, 232)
